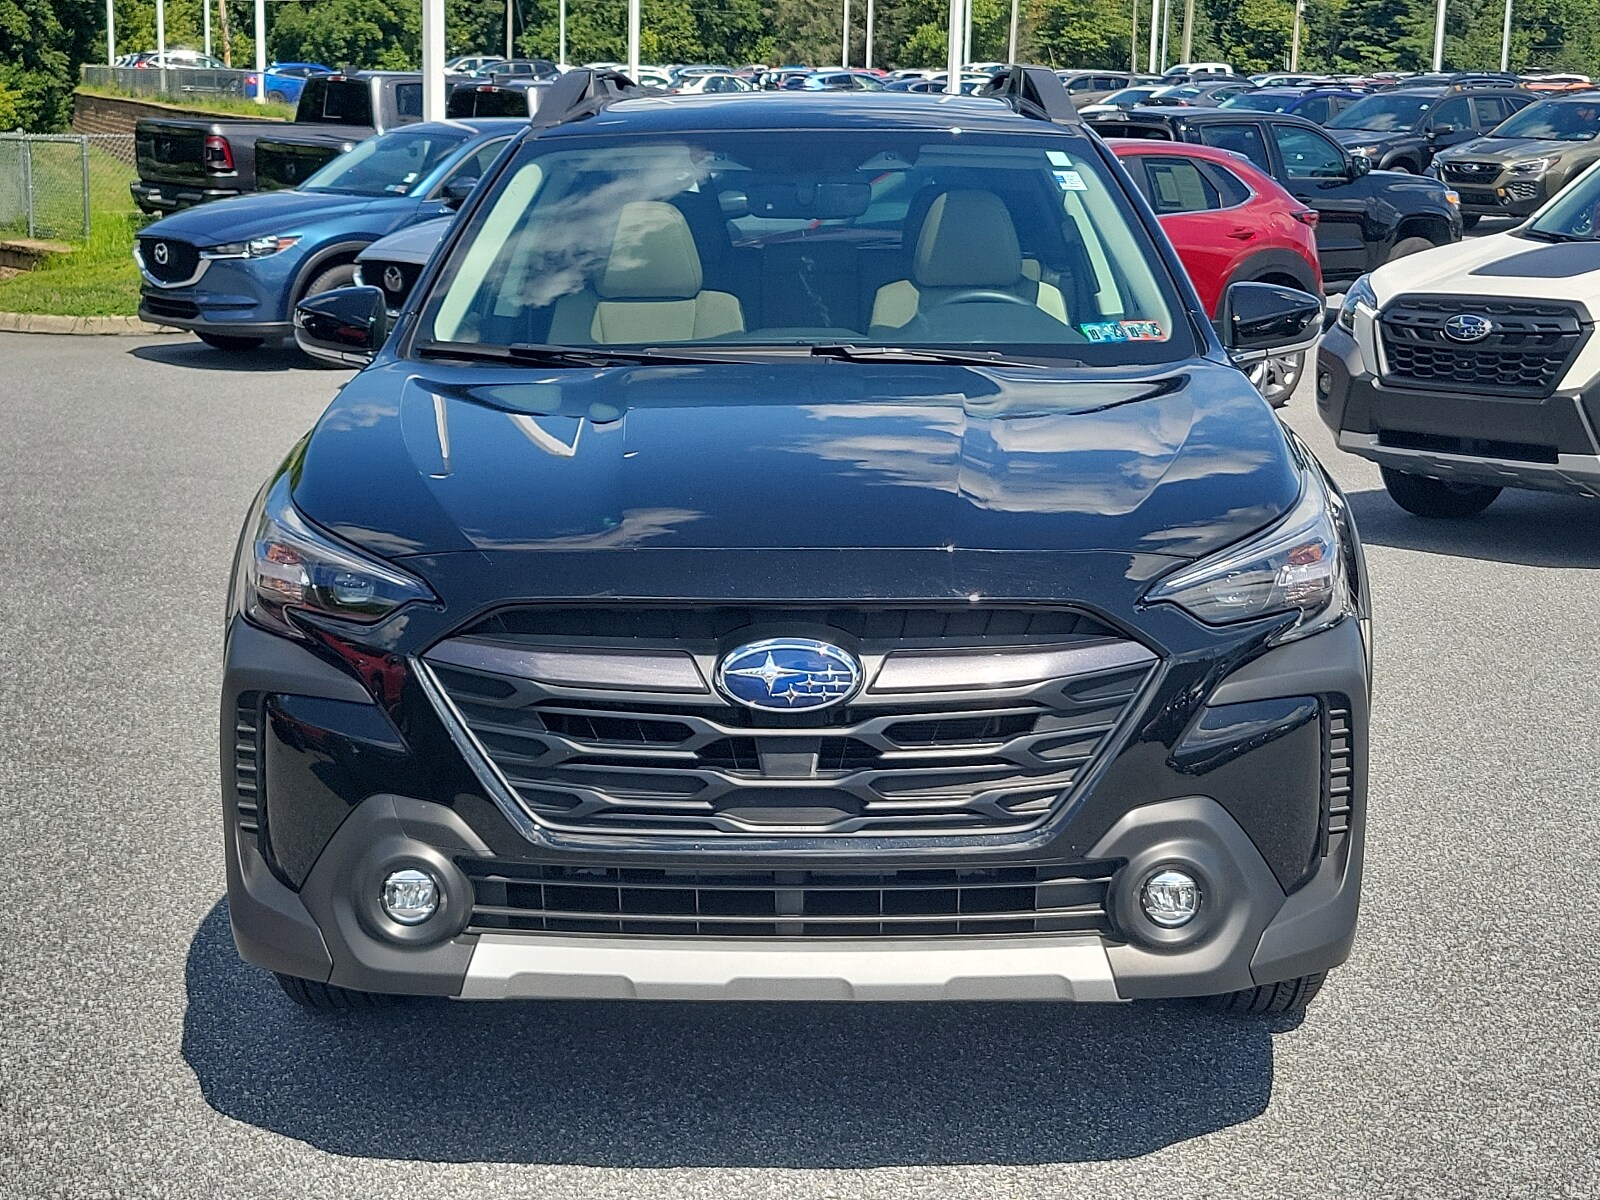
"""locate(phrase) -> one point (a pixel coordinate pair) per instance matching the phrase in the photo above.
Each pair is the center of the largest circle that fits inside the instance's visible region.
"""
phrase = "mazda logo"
(393, 279)
(788, 674)
(162, 254)
(1468, 327)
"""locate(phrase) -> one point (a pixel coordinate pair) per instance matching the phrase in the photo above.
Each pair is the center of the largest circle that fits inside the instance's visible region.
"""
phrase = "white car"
(1474, 367)
(712, 83)
(1197, 68)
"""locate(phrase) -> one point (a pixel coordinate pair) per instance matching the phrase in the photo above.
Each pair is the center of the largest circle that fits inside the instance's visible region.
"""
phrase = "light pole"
(1166, 29)
(966, 41)
(1188, 31)
(161, 33)
(1438, 37)
(844, 37)
(1294, 43)
(1505, 41)
(633, 39)
(952, 79)
(111, 33)
(870, 14)
(261, 53)
(561, 36)
(205, 24)
(1011, 50)
(1155, 32)
(432, 60)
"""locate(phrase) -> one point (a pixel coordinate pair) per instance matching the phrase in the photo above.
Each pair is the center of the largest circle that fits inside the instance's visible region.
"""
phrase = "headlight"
(1360, 295)
(259, 247)
(1297, 566)
(289, 565)
(1532, 167)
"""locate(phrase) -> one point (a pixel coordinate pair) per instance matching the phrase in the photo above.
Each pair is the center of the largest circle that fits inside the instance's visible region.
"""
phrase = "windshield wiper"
(1553, 235)
(977, 358)
(557, 356)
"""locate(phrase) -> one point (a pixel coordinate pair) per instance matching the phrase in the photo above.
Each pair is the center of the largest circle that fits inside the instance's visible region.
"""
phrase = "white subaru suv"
(1474, 367)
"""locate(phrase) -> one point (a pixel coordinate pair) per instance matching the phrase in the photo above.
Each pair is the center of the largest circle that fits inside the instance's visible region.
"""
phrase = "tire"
(1470, 220)
(1403, 168)
(1435, 498)
(222, 341)
(325, 997)
(1272, 999)
(1277, 378)
(342, 275)
(276, 97)
(1410, 245)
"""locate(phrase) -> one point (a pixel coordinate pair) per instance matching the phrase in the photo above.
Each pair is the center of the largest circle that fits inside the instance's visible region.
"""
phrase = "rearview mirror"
(345, 327)
(1262, 320)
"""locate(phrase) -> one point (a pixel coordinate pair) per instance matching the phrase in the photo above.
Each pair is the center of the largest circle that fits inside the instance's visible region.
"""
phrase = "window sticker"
(1070, 181)
(1144, 331)
(1123, 331)
(1058, 159)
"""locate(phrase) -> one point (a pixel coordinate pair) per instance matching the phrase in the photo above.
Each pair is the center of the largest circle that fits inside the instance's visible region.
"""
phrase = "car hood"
(413, 244)
(1508, 149)
(1500, 265)
(246, 217)
(1365, 137)
(797, 456)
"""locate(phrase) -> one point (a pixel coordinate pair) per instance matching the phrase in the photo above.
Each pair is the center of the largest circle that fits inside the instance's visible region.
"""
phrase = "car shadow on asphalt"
(646, 1084)
(1524, 528)
(197, 356)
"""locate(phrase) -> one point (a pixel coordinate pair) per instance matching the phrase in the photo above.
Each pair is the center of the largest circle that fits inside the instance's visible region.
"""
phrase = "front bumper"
(233, 297)
(1542, 444)
(329, 795)
(1506, 197)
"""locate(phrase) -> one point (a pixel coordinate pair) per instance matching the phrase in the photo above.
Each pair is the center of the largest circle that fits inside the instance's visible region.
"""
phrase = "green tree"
(42, 43)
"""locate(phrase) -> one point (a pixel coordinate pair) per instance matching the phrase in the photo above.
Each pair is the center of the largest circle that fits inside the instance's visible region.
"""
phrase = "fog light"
(1171, 898)
(410, 896)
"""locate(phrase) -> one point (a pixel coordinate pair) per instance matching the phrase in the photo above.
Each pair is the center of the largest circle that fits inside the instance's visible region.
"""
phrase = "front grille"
(1523, 189)
(159, 306)
(925, 760)
(1469, 172)
(181, 259)
(395, 278)
(656, 902)
(247, 761)
(1526, 354)
(1340, 777)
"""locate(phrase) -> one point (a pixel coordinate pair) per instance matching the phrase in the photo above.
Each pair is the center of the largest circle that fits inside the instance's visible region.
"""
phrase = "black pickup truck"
(186, 162)
(1365, 217)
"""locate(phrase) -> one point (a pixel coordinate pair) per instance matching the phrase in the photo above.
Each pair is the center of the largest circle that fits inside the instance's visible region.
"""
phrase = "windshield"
(1128, 95)
(1383, 114)
(811, 239)
(1554, 121)
(1187, 92)
(1573, 216)
(391, 165)
(1258, 102)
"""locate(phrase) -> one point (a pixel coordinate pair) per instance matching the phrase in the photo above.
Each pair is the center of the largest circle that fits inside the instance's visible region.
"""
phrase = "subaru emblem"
(1468, 327)
(788, 675)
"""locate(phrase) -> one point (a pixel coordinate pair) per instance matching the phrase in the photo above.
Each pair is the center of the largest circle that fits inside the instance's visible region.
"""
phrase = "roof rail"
(1033, 92)
(583, 93)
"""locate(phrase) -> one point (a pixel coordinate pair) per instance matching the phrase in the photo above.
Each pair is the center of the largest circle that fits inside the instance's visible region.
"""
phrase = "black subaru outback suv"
(799, 547)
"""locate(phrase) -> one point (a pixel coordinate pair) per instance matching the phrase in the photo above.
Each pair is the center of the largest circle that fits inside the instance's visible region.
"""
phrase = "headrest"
(653, 256)
(968, 240)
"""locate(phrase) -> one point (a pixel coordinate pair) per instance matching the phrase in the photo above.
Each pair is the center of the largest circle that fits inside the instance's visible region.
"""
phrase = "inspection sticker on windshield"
(1070, 181)
(1124, 331)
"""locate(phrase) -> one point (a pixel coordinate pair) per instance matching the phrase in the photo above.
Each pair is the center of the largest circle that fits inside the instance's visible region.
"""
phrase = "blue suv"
(232, 272)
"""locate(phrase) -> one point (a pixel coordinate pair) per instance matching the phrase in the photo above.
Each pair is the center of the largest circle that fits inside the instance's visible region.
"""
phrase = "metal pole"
(27, 181)
(1133, 39)
(83, 163)
(261, 51)
(509, 31)
(1294, 42)
(1155, 32)
(1438, 37)
(952, 79)
(1188, 30)
(1011, 51)
(561, 36)
(633, 39)
(161, 34)
(870, 16)
(432, 60)
(844, 37)
(205, 23)
(1505, 41)
(1166, 30)
(111, 33)
(966, 40)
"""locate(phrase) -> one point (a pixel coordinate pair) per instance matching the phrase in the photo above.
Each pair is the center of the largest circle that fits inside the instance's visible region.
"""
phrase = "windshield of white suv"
(799, 238)
(391, 165)
(1554, 121)
(1383, 114)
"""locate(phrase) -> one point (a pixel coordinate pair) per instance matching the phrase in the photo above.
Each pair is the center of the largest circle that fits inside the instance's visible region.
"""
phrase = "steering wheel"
(983, 296)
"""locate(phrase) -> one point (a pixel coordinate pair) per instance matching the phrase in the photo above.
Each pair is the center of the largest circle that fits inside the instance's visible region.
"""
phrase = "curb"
(44, 323)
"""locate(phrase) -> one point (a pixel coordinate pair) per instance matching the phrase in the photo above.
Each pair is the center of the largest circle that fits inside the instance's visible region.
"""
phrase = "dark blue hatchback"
(233, 271)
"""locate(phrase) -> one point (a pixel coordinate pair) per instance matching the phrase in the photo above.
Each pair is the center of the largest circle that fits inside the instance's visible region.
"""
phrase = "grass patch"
(98, 279)
(202, 104)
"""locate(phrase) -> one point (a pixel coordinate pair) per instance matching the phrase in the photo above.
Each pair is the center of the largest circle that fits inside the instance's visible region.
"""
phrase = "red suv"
(1229, 222)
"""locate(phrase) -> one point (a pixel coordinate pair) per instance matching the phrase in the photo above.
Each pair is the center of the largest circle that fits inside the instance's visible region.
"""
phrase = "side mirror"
(1439, 131)
(458, 189)
(1360, 165)
(1264, 320)
(345, 327)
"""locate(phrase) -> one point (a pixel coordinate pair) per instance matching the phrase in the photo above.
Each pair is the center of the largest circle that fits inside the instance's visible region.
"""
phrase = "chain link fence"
(52, 185)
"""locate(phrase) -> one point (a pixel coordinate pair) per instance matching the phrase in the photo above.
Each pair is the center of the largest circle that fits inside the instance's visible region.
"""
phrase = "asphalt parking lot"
(1456, 1054)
